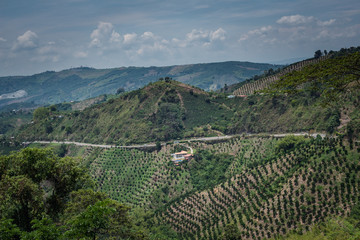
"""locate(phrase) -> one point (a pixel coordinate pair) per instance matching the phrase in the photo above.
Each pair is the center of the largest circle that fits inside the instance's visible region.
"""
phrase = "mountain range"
(77, 84)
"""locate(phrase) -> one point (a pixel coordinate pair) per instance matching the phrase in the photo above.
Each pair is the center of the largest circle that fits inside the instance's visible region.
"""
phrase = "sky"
(42, 35)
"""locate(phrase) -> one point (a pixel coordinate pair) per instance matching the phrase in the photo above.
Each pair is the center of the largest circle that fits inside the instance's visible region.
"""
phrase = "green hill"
(163, 110)
(168, 110)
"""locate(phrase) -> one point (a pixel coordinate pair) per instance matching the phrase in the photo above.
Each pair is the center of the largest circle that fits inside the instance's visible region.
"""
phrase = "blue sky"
(40, 35)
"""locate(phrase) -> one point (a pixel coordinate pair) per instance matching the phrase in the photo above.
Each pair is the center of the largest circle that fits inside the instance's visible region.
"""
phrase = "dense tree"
(104, 218)
(36, 181)
(289, 143)
(41, 113)
(9, 230)
(40, 192)
(318, 54)
(231, 232)
(42, 229)
(120, 90)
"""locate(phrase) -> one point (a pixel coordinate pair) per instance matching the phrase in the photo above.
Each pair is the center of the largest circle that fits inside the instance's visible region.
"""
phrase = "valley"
(274, 157)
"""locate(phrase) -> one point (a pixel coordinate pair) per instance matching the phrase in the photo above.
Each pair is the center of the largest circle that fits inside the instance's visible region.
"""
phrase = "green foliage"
(124, 174)
(289, 143)
(35, 181)
(21, 199)
(332, 229)
(295, 190)
(160, 111)
(231, 232)
(355, 212)
(158, 146)
(208, 169)
(104, 218)
(61, 150)
(9, 230)
(330, 78)
(80, 200)
(43, 196)
(164, 111)
(11, 120)
(42, 229)
(41, 113)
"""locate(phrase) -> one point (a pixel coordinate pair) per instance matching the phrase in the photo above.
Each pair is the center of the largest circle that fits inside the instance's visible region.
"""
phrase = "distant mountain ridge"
(81, 83)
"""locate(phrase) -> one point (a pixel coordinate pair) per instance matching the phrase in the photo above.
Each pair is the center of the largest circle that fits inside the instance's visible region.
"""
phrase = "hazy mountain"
(81, 83)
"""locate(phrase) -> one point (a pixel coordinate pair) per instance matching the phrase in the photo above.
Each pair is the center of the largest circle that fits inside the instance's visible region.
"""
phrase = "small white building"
(180, 156)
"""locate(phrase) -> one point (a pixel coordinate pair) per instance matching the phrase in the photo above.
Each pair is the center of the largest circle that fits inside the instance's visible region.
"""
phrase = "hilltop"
(162, 110)
(77, 84)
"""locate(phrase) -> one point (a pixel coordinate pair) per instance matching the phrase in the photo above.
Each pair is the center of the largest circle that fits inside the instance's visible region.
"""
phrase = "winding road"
(146, 145)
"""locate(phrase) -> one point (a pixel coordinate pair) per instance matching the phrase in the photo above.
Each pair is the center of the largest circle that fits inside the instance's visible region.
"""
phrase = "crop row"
(293, 191)
(260, 84)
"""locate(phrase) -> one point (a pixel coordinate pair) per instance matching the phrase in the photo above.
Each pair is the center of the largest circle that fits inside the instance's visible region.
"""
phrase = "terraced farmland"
(261, 193)
(150, 178)
(128, 175)
(288, 193)
(260, 84)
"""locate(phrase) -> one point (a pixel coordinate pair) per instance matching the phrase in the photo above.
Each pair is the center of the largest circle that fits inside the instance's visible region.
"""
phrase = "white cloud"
(150, 49)
(326, 23)
(29, 40)
(201, 37)
(296, 30)
(258, 33)
(104, 33)
(2, 39)
(148, 35)
(148, 46)
(130, 38)
(295, 19)
(103, 28)
(197, 35)
(219, 34)
(115, 37)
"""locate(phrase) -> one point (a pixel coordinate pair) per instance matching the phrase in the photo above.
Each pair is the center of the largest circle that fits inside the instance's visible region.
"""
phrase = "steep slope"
(161, 111)
(331, 60)
(264, 187)
(81, 83)
(251, 86)
(290, 192)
